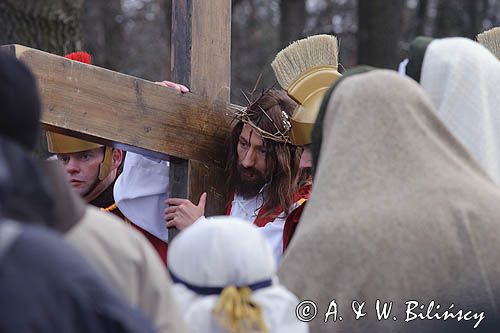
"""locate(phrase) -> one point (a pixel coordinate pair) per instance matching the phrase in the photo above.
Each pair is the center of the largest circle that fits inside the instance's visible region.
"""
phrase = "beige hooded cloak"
(120, 253)
(399, 212)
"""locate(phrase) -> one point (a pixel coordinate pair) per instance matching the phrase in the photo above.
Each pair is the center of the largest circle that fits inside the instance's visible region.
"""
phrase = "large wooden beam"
(201, 59)
(116, 109)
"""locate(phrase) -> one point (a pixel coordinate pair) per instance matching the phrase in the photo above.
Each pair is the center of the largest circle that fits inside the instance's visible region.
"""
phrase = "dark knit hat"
(418, 47)
(19, 102)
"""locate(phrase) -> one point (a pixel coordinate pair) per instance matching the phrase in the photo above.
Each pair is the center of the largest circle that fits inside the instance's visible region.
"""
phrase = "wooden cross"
(115, 109)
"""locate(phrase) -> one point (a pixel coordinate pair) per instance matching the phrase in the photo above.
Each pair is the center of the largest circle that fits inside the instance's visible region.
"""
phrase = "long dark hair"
(283, 173)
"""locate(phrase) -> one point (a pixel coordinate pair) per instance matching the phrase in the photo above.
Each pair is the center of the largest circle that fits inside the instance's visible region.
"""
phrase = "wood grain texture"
(202, 30)
(177, 185)
(211, 77)
(212, 180)
(113, 108)
(211, 49)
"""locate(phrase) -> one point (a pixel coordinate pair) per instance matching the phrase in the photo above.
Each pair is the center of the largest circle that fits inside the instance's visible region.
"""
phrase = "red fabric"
(293, 218)
(291, 223)
(262, 220)
(160, 246)
(230, 206)
(117, 213)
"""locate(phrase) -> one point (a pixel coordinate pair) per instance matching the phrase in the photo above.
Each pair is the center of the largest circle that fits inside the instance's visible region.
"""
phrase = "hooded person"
(224, 275)
(462, 79)
(305, 69)
(46, 286)
(19, 130)
(127, 260)
(415, 223)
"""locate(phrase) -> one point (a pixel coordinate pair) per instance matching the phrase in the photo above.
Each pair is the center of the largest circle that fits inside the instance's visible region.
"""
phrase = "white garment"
(248, 209)
(127, 260)
(402, 66)
(462, 78)
(223, 251)
(140, 192)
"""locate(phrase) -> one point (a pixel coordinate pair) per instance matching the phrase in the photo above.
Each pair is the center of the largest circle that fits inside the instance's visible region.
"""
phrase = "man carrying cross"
(264, 176)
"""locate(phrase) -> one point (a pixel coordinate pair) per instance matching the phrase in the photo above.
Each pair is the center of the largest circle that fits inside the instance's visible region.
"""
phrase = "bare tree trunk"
(102, 33)
(146, 36)
(472, 9)
(379, 32)
(421, 17)
(293, 18)
(135, 41)
(49, 25)
(450, 20)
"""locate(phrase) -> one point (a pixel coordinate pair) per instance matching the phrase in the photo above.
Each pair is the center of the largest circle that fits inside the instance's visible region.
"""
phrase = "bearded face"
(251, 164)
(249, 181)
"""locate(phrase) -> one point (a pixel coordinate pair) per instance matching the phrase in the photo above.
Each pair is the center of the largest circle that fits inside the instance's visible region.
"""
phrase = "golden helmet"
(63, 144)
(306, 69)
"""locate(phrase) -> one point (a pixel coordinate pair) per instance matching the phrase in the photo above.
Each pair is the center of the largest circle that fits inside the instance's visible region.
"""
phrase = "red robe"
(160, 246)
(292, 219)
(106, 202)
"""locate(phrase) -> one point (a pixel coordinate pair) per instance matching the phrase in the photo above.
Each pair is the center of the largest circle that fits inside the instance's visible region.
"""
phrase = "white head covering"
(140, 192)
(402, 66)
(462, 78)
(224, 251)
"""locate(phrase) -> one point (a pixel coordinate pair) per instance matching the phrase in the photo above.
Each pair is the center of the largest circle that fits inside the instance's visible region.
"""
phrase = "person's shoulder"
(107, 228)
(53, 250)
(41, 252)
(102, 234)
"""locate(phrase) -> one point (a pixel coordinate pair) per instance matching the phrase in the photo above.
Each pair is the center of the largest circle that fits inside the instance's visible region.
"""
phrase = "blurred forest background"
(133, 36)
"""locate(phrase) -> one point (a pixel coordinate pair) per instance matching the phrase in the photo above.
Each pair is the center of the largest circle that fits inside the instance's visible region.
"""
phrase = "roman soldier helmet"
(63, 144)
(491, 40)
(306, 69)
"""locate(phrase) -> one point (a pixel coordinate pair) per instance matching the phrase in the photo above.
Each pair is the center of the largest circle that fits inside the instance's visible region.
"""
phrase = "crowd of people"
(365, 201)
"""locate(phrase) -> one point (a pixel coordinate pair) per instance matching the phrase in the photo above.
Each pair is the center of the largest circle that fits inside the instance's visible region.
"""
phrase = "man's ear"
(116, 158)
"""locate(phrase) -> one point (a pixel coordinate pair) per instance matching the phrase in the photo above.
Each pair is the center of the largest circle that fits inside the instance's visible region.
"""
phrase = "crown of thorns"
(243, 115)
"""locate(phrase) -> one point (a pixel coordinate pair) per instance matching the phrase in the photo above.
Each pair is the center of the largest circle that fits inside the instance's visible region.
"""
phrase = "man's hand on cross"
(179, 87)
(181, 213)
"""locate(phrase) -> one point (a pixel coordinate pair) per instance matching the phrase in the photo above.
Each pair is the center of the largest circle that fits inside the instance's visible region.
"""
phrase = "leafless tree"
(49, 25)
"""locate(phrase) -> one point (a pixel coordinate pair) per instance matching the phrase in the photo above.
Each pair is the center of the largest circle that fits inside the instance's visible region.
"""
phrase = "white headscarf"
(140, 193)
(224, 251)
(462, 78)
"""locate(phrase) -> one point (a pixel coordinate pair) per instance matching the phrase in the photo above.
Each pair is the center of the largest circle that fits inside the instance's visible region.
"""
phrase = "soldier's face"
(83, 169)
